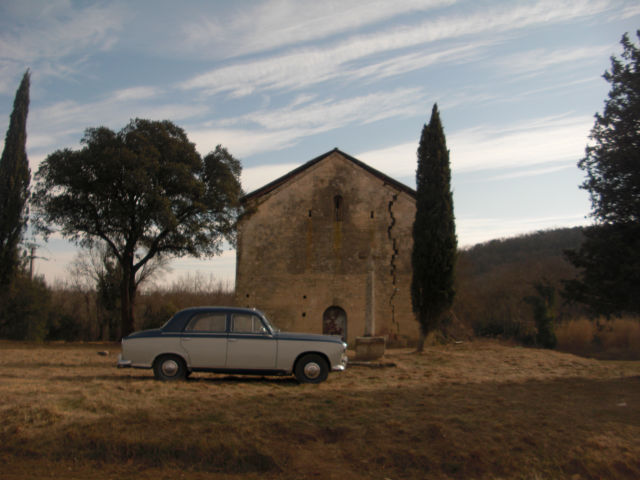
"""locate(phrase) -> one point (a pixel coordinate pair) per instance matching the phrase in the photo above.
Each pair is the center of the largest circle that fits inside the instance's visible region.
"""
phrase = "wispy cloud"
(135, 93)
(62, 32)
(535, 142)
(532, 172)
(537, 147)
(305, 68)
(285, 23)
(61, 124)
(396, 160)
(541, 60)
(275, 129)
(543, 140)
(71, 115)
(244, 142)
(630, 11)
(55, 31)
(333, 113)
(256, 177)
(362, 55)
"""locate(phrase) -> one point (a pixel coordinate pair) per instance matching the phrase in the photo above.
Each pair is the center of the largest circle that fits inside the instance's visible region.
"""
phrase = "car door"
(205, 340)
(250, 346)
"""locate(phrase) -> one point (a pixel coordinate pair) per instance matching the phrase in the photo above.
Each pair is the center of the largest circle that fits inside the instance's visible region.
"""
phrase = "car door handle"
(185, 339)
(232, 339)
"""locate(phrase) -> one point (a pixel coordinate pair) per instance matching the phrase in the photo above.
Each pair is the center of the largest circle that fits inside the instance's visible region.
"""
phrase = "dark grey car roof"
(180, 319)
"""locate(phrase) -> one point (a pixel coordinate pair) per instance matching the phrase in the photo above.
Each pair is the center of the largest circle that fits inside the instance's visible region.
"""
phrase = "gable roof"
(296, 171)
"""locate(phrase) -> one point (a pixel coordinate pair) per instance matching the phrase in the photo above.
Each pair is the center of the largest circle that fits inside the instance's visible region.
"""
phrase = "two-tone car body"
(231, 340)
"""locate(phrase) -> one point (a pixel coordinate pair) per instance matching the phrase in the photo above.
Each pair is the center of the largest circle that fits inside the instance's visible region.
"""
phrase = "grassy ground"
(474, 410)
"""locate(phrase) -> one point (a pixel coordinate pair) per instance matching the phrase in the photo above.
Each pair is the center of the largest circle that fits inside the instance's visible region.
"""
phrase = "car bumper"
(122, 363)
(340, 367)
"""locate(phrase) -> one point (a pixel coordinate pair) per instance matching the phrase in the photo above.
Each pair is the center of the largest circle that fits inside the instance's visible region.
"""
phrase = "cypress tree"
(14, 184)
(434, 233)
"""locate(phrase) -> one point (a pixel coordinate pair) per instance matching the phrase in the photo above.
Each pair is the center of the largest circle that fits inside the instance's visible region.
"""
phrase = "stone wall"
(333, 235)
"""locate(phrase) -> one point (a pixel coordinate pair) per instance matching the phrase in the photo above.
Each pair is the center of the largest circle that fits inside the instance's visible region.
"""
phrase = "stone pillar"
(369, 314)
(370, 347)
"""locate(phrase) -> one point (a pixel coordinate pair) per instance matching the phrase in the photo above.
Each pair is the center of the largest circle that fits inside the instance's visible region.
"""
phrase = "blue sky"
(279, 82)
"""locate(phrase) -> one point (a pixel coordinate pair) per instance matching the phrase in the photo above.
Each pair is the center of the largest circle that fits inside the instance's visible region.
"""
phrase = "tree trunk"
(128, 289)
(424, 322)
(421, 340)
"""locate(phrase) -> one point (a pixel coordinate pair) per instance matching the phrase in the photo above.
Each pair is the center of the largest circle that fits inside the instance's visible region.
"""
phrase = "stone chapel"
(326, 248)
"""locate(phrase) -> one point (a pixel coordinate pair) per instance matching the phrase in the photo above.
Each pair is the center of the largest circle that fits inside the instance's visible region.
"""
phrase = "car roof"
(215, 308)
(179, 319)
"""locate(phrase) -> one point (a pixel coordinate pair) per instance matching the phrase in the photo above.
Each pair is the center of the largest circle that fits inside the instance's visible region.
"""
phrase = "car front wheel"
(311, 368)
(169, 367)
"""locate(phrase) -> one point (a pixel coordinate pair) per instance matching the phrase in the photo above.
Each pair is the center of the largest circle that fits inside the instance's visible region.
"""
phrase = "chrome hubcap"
(312, 370)
(169, 368)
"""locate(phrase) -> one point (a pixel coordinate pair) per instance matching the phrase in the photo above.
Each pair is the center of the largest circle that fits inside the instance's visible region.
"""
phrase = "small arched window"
(338, 208)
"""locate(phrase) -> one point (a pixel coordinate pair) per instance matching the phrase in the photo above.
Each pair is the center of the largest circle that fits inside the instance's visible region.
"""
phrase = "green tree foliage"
(145, 191)
(610, 256)
(14, 184)
(434, 234)
(25, 313)
(544, 313)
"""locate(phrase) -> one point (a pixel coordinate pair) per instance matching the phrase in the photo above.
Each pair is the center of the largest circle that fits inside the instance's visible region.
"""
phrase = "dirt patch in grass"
(476, 410)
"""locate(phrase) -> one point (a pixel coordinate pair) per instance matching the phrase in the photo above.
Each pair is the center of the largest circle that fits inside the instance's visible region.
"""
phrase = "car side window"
(208, 322)
(247, 323)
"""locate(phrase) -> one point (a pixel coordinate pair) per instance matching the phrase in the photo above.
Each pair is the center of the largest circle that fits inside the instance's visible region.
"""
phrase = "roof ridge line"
(287, 176)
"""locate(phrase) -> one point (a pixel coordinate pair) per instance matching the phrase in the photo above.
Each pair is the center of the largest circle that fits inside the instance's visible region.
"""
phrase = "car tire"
(169, 368)
(311, 368)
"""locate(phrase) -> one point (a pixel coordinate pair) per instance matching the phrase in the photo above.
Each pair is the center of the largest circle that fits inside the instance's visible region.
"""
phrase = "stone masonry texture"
(310, 240)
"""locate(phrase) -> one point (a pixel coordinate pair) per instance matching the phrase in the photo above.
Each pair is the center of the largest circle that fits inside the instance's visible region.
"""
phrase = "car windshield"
(270, 324)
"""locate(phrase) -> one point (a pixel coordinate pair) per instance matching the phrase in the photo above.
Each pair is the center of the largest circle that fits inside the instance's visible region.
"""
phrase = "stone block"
(369, 348)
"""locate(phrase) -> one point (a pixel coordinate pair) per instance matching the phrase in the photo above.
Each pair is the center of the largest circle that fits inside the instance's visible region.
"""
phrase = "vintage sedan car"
(231, 340)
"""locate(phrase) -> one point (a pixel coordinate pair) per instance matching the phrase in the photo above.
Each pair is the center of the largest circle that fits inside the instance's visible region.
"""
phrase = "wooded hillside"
(495, 278)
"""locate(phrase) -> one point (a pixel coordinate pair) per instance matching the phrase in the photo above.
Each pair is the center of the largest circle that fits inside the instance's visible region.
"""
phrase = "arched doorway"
(334, 322)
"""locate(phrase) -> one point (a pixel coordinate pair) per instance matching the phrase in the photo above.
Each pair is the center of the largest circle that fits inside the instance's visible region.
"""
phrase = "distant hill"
(495, 278)
(539, 245)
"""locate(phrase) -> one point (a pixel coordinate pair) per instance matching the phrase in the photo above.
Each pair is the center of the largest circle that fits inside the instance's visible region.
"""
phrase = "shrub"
(616, 338)
(157, 313)
(544, 314)
(576, 335)
(621, 334)
(25, 309)
(63, 326)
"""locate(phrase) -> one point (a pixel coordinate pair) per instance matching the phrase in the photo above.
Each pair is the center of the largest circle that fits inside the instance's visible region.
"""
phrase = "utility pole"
(32, 256)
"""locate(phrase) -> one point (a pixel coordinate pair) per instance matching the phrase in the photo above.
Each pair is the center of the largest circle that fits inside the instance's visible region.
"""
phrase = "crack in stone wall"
(393, 266)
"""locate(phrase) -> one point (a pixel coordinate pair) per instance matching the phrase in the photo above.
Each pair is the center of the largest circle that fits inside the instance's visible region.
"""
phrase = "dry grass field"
(618, 338)
(473, 410)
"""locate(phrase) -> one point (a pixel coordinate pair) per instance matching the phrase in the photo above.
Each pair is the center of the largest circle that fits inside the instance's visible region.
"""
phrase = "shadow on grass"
(220, 379)
(242, 379)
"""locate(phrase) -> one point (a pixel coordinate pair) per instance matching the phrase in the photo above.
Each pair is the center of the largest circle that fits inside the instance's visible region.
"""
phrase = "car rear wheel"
(311, 368)
(169, 367)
